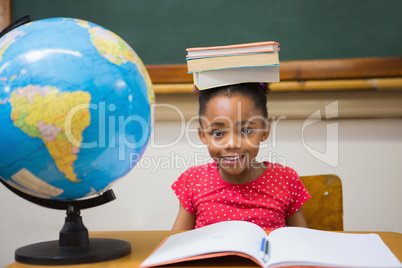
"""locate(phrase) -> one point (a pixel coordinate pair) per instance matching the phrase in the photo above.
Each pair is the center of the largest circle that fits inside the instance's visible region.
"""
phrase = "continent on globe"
(111, 46)
(24, 179)
(117, 51)
(41, 112)
(8, 40)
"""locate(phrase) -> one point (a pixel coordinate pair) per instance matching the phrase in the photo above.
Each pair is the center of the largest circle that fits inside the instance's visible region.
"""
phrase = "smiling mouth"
(232, 159)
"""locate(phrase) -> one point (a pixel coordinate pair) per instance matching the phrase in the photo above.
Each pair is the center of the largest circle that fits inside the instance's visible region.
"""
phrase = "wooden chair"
(324, 211)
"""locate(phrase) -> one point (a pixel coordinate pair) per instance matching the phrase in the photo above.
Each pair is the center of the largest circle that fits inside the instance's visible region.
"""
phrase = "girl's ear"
(201, 134)
(266, 132)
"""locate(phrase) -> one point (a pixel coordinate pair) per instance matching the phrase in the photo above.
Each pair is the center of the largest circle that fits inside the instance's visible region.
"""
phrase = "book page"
(302, 246)
(230, 61)
(209, 79)
(229, 236)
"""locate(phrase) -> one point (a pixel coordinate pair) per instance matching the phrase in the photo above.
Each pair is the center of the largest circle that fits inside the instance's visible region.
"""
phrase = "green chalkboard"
(161, 30)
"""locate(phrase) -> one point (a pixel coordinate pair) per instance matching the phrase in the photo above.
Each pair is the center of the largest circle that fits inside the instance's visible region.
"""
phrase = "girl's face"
(232, 128)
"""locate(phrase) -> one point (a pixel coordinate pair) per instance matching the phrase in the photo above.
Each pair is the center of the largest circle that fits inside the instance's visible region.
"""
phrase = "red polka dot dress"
(267, 201)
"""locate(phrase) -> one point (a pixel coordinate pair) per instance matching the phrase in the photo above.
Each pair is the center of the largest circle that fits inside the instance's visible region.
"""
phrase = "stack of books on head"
(225, 65)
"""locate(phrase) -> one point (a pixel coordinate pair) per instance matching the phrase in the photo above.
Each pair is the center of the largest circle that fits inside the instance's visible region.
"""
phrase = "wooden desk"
(144, 242)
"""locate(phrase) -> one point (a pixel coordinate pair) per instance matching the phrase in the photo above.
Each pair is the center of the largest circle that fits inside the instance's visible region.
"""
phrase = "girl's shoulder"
(280, 169)
(208, 168)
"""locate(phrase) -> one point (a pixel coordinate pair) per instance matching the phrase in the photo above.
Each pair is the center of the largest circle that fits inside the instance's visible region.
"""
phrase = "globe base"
(74, 245)
(50, 253)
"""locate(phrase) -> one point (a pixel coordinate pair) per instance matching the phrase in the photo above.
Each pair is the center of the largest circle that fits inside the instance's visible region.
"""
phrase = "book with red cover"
(285, 246)
(257, 47)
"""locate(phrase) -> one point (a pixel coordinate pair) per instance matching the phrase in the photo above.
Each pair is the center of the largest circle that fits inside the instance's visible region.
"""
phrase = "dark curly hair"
(256, 92)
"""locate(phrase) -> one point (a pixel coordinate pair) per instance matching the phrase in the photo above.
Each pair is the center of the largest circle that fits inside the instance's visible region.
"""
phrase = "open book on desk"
(282, 247)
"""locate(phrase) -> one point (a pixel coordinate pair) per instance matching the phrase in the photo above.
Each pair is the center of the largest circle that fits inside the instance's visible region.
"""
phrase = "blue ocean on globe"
(76, 108)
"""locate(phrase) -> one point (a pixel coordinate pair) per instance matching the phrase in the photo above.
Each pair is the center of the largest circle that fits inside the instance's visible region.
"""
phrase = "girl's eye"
(217, 133)
(246, 131)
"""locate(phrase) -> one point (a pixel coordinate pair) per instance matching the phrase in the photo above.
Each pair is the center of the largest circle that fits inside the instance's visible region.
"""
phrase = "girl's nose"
(233, 141)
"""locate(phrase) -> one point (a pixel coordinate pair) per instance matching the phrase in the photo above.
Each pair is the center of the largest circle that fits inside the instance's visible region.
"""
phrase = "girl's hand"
(297, 219)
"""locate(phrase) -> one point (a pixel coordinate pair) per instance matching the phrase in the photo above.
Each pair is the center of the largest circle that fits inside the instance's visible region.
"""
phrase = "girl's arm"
(184, 220)
(297, 219)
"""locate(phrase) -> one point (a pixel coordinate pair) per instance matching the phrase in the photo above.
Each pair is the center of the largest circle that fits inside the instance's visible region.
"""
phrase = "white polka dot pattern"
(266, 201)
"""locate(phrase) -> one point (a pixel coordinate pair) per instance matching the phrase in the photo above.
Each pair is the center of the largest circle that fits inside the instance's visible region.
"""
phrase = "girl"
(233, 122)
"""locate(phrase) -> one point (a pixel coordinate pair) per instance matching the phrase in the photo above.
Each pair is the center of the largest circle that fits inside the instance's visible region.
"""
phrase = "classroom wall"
(161, 30)
(368, 153)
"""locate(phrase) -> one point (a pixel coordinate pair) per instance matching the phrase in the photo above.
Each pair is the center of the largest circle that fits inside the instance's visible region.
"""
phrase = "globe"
(76, 108)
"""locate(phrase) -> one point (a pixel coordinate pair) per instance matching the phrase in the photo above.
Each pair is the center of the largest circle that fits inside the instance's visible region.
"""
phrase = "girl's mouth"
(232, 159)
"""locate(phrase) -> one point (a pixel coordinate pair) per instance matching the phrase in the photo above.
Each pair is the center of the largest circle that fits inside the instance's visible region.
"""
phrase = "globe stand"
(74, 245)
